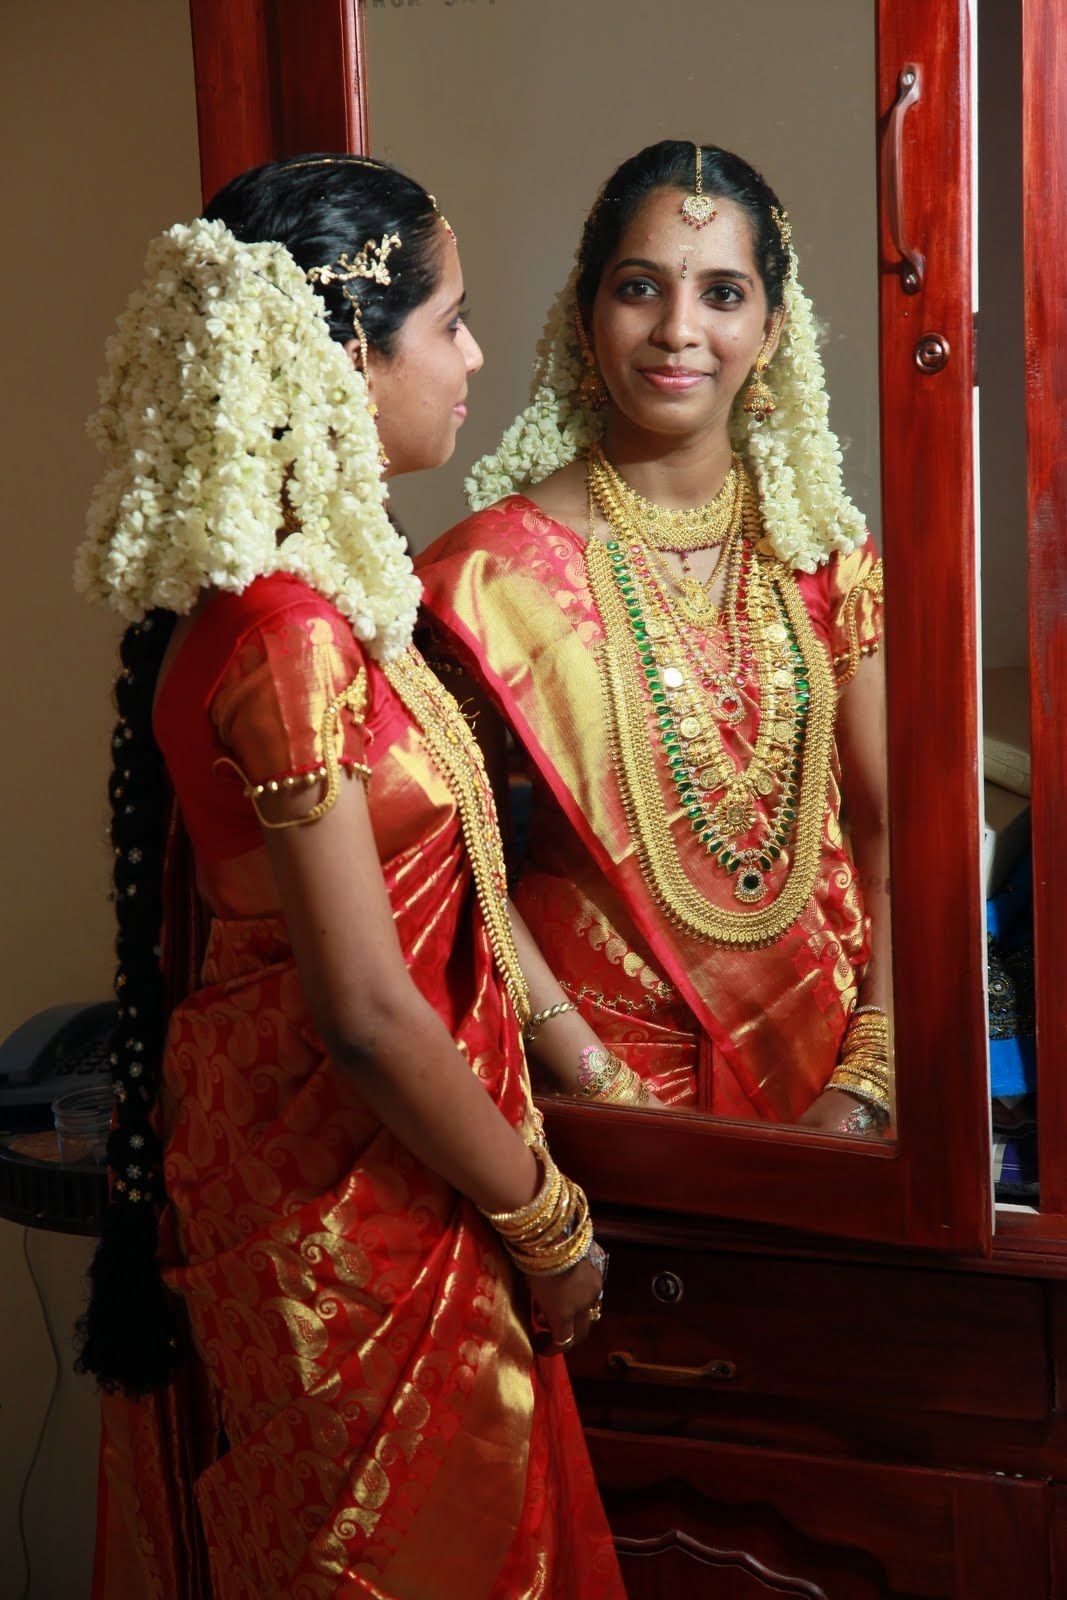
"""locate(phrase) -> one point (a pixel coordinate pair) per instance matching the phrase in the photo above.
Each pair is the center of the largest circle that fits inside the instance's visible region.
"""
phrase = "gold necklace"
(456, 752)
(644, 668)
(689, 528)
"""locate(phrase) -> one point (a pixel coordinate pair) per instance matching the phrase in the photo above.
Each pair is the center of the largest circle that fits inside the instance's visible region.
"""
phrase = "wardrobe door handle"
(913, 263)
(621, 1361)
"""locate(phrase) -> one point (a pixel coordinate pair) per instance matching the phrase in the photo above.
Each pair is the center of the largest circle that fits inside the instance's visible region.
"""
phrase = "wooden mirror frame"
(278, 77)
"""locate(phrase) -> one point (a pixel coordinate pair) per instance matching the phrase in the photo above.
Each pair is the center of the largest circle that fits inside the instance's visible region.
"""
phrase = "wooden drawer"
(822, 1332)
(740, 1524)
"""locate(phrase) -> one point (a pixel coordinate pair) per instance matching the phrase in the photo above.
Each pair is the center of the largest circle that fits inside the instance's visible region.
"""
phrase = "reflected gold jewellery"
(863, 1070)
(604, 1078)
(758, 400)
(752, 799)
(698, 208)
(539, 1018)
(591, 390)
(677, 529)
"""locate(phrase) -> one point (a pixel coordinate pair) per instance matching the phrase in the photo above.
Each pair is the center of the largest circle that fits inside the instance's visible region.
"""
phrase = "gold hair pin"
(698, 208)
(370, 263)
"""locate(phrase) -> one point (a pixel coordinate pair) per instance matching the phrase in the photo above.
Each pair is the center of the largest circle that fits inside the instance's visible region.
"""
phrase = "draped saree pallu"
(736, 1008)
(387, 1430)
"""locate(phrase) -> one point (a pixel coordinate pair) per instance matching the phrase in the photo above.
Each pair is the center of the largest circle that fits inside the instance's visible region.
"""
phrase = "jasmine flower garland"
(226, 412)
(794, 458)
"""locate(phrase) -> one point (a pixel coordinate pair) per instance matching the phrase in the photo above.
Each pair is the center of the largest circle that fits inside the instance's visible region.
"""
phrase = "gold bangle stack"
(863, 1070)
(552, 1232)
(541, 1017)
(607, 1080)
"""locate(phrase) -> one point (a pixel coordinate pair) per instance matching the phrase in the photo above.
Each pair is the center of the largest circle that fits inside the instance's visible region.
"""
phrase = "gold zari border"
(456, 751)
(639, 785)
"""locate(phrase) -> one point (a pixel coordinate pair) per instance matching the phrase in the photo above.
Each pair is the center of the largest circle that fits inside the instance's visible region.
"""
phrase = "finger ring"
(596, 1311)
(565, 1344)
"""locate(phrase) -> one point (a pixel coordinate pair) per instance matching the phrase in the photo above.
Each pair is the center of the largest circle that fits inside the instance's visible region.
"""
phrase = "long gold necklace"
(653, 673)
(687, 528)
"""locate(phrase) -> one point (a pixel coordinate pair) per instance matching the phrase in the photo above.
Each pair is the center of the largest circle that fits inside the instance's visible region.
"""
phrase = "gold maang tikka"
(370, 263)
(698, 208)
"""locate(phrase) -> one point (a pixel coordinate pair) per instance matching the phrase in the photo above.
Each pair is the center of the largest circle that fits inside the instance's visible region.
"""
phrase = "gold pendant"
(727, 703)
(751, 885)
(695, 602)
(735, 813)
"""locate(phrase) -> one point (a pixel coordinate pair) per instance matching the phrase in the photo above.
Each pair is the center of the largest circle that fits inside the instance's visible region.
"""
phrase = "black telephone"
(61, 1048)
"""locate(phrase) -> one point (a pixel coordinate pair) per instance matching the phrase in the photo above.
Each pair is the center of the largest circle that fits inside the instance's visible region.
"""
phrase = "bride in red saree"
(670, 602)
(337, 1131)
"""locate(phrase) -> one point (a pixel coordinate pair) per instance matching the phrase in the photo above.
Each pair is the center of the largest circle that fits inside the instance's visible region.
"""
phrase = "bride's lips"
(460, 410)
(673, 380)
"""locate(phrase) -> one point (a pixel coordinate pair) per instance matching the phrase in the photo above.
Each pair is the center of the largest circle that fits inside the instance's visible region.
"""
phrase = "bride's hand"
(837, 1112)
(565, 1307)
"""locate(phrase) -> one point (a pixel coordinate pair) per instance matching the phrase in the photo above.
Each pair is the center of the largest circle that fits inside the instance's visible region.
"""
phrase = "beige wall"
(99, 135)
(100, 132)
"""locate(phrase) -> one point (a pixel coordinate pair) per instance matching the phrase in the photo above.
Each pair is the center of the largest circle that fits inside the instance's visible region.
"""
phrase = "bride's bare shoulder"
(563, 496)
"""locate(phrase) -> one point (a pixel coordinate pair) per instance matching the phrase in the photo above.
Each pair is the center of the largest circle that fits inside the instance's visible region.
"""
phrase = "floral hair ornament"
(698, 208)
(227, 412)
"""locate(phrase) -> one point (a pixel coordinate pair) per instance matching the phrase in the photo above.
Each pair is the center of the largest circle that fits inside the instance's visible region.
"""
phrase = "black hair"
(671, 164)
(322, 207)
(127, 1337)
(319, 207)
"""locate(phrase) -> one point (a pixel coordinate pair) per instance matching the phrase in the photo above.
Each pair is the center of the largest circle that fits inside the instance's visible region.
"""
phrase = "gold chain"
(664, 528)
(456, 751)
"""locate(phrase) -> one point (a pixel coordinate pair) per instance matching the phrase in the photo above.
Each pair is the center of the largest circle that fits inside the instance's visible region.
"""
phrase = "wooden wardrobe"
(829, 1368)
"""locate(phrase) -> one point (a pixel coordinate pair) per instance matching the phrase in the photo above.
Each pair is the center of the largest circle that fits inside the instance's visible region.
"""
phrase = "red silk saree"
(370, 1418)
(740, 1029)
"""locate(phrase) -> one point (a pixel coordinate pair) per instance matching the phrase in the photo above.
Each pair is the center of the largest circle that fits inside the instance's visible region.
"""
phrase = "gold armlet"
(353, 699)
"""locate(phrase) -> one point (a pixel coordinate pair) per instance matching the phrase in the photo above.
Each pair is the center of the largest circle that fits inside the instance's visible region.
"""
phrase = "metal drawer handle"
(623, 1362)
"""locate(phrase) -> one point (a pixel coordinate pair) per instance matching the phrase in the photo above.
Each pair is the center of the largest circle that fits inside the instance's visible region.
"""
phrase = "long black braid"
(128, 1334)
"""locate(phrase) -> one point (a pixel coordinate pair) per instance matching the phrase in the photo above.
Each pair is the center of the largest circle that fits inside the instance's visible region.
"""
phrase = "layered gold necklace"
(661, 678)
(678, 529)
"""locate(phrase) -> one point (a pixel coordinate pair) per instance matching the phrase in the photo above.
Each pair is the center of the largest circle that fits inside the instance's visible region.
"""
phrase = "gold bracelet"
(539, 1018)
(860, 1087)
(542, 1203)
(552, 1232)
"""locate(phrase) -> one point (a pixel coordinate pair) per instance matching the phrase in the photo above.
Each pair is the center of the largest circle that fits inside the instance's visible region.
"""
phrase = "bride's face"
(679, 318)
(421, 389)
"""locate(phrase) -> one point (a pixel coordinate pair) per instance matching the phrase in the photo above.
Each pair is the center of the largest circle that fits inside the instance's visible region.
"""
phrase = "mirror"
(1005, 636)
(513, 115)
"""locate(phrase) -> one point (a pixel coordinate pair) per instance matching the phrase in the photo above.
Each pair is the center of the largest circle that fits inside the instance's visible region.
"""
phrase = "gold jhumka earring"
(759, 399)
(698, 208)
(592, 395)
